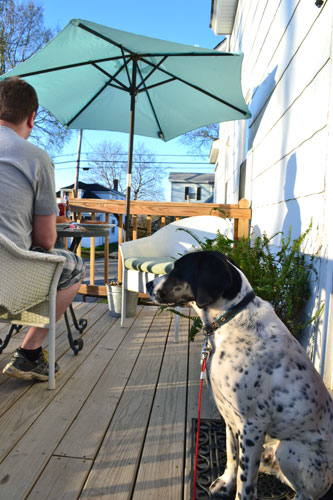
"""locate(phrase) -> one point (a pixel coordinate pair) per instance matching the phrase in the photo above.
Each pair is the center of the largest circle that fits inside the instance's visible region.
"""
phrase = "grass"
(99, 251)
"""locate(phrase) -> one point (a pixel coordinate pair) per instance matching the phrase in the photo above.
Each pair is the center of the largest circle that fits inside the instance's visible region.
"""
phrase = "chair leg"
(76, 344)
(51, 381)
(176, 335)
(123, 298)
(3, 344)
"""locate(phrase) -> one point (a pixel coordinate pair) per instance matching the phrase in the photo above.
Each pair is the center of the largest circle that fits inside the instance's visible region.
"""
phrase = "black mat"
(212, 459)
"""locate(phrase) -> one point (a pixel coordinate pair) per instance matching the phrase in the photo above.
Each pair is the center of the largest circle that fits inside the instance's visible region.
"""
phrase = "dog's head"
(200, 277)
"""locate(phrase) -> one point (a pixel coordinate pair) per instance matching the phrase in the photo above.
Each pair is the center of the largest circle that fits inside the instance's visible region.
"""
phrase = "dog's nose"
(149, 286)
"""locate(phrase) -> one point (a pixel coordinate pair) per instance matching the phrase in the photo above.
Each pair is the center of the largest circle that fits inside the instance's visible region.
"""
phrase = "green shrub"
(281, 277)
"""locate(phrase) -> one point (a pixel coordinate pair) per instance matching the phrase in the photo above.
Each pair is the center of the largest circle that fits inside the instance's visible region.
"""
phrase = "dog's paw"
(220, 489)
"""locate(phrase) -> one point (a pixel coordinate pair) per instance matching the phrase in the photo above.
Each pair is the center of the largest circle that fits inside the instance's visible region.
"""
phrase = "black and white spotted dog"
(263, 382)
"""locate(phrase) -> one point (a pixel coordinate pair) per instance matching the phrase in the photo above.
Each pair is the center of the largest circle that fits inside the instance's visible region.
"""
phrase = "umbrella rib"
(112, 77)
(155, 67)
(199, 89)
(109, 40)
(156, 84)
(68, 66)
(211, 53)
(105, 38)
(126, 65)
(160, 131)
(87, 104)
(109, 83)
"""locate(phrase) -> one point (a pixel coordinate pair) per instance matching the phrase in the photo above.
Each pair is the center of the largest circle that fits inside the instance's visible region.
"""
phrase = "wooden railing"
(241, 213)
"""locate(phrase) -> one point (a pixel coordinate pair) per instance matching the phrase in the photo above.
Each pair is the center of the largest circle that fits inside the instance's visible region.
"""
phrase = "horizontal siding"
(287, 81)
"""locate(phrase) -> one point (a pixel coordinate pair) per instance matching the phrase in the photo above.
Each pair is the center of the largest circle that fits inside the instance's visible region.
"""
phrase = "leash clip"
(206, 350)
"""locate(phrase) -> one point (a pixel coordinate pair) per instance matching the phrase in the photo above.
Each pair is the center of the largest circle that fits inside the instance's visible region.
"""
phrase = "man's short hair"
(18, 99)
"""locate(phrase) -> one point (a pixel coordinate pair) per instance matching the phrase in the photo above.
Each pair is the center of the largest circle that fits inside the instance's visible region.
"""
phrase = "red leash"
(203, 368)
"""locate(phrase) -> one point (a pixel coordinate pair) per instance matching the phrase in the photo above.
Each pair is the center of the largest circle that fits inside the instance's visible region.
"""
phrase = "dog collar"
(227, 316)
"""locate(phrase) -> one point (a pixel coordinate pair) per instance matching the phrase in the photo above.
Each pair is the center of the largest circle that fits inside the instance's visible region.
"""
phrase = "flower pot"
(114, 301)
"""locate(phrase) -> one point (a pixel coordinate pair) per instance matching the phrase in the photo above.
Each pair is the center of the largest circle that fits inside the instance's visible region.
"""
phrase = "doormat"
(212, 458)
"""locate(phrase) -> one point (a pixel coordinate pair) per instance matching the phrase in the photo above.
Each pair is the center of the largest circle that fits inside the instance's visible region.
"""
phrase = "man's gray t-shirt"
(27, 186)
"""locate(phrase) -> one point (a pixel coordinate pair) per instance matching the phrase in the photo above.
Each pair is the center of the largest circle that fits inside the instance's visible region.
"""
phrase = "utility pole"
(78, 163)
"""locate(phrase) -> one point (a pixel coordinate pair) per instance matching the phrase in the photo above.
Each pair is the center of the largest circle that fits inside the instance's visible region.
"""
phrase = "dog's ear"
(215, 277)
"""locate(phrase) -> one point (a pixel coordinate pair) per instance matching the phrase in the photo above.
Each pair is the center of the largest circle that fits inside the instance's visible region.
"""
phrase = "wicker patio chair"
(28, 287)
(146, 258)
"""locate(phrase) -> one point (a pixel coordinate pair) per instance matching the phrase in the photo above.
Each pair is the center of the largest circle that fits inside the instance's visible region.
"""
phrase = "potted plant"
(114, 291)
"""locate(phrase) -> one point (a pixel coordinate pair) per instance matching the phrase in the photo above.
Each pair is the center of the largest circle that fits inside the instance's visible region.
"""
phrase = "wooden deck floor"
(118, 425)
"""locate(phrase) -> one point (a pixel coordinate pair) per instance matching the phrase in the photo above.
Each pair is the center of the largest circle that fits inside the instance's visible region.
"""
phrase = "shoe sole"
(14, 372)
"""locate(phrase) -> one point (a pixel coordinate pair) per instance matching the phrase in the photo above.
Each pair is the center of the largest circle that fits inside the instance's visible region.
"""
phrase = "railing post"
(92, 255)
(106, 253)
(120, 240)
(148, 225)
(135, 227)
(243, 224)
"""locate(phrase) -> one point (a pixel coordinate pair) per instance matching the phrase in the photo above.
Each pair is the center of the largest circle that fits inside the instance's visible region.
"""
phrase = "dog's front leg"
(226, 484)
(251, 440)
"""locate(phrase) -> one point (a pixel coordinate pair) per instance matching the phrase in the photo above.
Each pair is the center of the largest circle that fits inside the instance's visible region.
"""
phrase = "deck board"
(118, 423)
(114, 470)
(162, 460)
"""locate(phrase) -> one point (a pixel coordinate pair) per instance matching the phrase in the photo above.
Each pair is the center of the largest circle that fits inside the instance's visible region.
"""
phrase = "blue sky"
(181, 21)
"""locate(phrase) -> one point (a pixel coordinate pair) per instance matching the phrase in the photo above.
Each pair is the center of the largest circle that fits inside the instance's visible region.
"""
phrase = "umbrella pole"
(130, 151)
(78, 163)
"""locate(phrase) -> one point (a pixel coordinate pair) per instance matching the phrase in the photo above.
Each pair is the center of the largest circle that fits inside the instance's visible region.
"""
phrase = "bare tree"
(22, 34)
(147, 176)
(200, 140)
(109, 162)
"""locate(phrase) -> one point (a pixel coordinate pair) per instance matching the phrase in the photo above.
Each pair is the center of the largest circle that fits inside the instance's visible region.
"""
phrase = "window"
(190, 193)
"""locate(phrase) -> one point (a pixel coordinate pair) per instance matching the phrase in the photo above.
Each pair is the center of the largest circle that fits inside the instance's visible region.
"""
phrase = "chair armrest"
(176, 238)
(26, 277)
(141, 247)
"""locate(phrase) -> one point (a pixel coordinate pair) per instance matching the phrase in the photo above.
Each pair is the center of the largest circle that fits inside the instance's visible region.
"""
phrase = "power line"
(185, 167)
(141, 162)
(137, 154)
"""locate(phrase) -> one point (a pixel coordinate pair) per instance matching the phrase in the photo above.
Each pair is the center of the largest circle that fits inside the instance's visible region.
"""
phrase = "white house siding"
(288, 143)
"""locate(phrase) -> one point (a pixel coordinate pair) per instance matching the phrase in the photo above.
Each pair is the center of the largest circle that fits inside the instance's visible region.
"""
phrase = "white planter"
(114, 301)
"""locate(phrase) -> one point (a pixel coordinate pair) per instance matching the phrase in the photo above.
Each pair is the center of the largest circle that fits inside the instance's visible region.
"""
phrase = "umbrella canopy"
(95, 77)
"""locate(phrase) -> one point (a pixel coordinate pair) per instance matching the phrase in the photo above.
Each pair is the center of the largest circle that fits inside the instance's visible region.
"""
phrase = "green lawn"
(99, 251)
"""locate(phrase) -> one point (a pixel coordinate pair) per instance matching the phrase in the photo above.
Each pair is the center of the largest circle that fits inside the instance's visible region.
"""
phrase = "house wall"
(113, 234)
(178, 191)
(288, 84)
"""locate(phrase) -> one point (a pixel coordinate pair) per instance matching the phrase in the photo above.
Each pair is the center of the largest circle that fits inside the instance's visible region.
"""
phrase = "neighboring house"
(281, 159)
(191, 187)
(96, 191)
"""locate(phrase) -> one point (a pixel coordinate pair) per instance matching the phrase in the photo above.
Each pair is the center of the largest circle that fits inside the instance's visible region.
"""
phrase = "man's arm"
(44, 232)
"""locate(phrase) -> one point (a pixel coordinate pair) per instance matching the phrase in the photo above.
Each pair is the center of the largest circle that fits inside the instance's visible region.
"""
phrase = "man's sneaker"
(21, 367)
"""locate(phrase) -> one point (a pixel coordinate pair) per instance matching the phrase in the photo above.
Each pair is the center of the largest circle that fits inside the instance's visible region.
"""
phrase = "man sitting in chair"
(28, 212)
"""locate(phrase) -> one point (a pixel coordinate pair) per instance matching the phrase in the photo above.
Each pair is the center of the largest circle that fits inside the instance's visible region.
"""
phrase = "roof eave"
(223, 13)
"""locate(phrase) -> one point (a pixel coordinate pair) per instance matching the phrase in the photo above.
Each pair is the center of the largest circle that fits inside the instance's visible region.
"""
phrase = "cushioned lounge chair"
(146, 258)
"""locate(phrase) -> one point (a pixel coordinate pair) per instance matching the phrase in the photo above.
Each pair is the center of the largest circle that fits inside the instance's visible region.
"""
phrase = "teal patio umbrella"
(94, 77)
